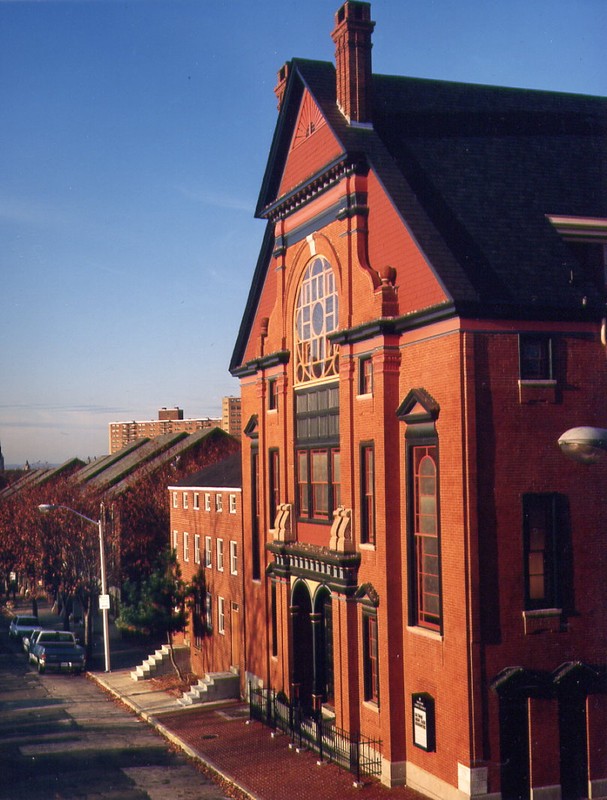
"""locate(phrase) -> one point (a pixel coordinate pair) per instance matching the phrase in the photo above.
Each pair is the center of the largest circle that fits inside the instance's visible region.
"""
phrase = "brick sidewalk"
(264, 766)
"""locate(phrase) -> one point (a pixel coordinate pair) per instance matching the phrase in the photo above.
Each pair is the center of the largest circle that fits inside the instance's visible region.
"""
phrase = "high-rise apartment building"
(170, 420)
(230, 416)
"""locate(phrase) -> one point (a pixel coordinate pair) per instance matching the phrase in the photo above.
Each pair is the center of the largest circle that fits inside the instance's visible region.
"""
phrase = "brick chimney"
(281, 83)
(352, 37)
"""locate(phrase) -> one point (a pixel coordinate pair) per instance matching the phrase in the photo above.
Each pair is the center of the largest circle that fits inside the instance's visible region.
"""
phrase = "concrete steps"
(159, 663)
(214, 686)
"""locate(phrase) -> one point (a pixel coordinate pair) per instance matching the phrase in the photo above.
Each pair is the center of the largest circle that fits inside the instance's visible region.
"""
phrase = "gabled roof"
(38, 477)
(225, 474)
(473, 171)
(176, 449)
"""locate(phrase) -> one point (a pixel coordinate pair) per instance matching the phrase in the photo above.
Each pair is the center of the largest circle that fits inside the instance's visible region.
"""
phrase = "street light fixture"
(585, 444)
(44, 508)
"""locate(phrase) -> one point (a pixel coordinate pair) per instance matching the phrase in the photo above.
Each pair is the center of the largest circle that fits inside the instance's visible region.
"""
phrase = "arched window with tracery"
(316, 393)
(316, 316)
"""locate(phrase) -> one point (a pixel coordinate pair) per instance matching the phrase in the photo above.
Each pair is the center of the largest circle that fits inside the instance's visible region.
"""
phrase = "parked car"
(28, 640)
(57, 650)
(22, 625)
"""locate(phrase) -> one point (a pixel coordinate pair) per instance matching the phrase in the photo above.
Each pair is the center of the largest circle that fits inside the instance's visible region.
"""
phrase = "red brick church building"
(421, 562)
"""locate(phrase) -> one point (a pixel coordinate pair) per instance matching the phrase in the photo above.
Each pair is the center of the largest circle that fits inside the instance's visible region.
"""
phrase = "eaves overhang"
(263, 362)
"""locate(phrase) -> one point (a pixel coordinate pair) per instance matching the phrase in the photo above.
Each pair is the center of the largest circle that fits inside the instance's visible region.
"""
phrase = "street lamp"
(104, 604)
(585, 444)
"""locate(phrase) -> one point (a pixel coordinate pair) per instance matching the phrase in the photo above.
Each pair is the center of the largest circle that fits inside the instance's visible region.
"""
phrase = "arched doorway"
(303, 644)
(323, 639)
(574, 681)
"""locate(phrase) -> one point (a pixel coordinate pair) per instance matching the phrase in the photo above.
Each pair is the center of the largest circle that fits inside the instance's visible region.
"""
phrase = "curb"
(154, 722)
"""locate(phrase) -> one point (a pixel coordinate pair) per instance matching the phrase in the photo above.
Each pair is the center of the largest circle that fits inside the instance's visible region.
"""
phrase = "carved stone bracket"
(341, 531)
(283, 529)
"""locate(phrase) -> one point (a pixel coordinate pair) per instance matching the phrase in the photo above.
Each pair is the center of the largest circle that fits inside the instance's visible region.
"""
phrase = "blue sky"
(133, 141)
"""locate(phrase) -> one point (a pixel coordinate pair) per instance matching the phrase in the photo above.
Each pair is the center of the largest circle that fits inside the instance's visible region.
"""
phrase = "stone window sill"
(542, 620)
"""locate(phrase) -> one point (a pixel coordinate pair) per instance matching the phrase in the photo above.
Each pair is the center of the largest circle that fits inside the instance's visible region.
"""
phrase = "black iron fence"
(359, 755)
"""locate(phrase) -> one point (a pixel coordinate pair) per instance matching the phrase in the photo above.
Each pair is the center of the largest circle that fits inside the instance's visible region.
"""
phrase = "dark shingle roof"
(473, 172)
(225, 474)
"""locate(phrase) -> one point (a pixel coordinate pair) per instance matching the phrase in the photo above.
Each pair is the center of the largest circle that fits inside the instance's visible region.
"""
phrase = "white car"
(23, 625)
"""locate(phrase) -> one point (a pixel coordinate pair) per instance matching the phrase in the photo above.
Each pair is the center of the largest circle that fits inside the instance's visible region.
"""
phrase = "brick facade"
(206, 533)
(446, 600)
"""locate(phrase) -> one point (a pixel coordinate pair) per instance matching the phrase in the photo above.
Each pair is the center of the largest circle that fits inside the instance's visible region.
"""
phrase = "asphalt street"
(63, 738)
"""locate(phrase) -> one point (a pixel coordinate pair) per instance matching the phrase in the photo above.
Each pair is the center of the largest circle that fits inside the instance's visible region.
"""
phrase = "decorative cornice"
(322, 181)
(339, 571)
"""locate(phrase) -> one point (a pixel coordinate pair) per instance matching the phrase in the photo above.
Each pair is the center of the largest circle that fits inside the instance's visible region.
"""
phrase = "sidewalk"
(247, 754)
(258, 763)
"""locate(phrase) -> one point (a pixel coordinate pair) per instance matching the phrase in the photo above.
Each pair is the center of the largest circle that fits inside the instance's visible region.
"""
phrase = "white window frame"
(175, 500)
(197, 548)
(221, 615)
(196, 501)
(207, 501)
(208, 552)
(219, 555)
(218, 503)
(175, 540)
(232, 504)
(233, 558)
(186, 502)
(186, 546)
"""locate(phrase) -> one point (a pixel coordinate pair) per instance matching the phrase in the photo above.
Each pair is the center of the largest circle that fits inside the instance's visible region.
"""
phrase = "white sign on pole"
(104, 601)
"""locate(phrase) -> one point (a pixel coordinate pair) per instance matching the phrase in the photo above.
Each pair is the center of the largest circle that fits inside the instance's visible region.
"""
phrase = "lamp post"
(585, 444)
(104, 598)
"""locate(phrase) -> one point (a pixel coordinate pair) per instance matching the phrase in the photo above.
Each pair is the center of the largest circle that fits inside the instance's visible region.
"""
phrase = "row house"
(206, 535)
(422, 564)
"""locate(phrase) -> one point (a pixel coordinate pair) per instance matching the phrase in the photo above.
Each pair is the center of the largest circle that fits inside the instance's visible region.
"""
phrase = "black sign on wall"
(424, 730)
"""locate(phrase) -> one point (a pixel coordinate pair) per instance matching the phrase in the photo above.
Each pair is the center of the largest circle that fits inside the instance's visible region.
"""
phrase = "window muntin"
(185, 500)
(233, 558)
(221, 618)
(207, 501)
(317, 414)
(208, 552)
(425, 536)
(370, 658)
(272, 394)
(302, 483)
(175, 500)
(218, 503)
(367, 494)
(316, 316)
(535, 353)
(336, 477)
(232, 504)
(274, 484)
(220, 555)
(186, 546)
(540, 551)
(319, 480)
(365, 375)
(197, 548)
(318, 487)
